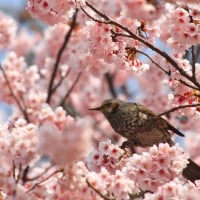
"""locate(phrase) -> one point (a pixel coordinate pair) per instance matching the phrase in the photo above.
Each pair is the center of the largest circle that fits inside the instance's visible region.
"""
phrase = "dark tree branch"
(40, 175)
(21, 108)
(193, 63)
(62, 102)
(13, 169)
(109, 79)
(97, 191)
(19, 173)
(143, 41)
(24, 175)
(197, 53)
(59, 55)
(139, 195)
(60, 81)
(187, 84)
(155, 63)
(43, 180)
(177, 108)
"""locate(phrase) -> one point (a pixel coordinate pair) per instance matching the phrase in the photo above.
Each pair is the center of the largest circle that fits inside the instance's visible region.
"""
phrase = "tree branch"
(193, 64)
(109, 80)
(155, 63)
(139, 195)
(13, 169)
(41, 174)
(62, 102)
(178, 107)
(187, 84)
(24, 175)
(60, 81)
(14, 96)
(197, 53)
(45, 179)
(60, 52)
(143, 41)
(97, 191)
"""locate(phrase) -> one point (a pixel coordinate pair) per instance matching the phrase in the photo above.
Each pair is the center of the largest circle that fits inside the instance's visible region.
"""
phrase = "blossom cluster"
(175, 189)
(152, 171)
(186, 27)
(66, 134)
(8, 27)
(160, 165)
(50, 11)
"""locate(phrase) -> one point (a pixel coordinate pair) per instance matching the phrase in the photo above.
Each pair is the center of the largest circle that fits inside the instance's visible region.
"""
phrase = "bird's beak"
(97, 108)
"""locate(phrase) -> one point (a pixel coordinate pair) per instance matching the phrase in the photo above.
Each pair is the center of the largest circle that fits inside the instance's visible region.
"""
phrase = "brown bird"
(142, 127)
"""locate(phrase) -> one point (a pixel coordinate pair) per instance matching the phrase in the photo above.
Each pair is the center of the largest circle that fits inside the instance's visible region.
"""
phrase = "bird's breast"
(123, 123)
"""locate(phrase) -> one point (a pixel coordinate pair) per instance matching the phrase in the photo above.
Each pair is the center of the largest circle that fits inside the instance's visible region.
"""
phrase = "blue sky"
(10, 7)
(12, 4)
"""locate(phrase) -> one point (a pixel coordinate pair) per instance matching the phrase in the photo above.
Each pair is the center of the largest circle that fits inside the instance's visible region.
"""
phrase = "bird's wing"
(145, 110)
(165, 123)
(142, 117)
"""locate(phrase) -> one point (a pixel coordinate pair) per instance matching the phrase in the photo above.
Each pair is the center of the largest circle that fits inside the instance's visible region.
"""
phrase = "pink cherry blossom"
(192, 146)
(158, 166)
(24, 39)
(74, 137)
(149, 11)
(175, 189)
(108, 156)
(18, 143)
(49, 11)
(8, 27)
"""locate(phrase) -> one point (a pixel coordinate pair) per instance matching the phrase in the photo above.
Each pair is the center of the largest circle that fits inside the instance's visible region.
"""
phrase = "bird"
(142, 127)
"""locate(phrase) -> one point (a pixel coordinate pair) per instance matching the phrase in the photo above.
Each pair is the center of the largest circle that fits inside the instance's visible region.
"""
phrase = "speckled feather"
(142, 127)
(139, 125)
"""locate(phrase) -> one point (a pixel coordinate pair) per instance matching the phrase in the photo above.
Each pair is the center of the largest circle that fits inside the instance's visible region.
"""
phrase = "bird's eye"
(112, 106)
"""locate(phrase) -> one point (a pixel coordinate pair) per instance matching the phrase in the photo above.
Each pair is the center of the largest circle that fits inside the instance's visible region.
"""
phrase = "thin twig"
(187, 84)
(178, 107)
(197, 53)
(141, 194)
(45, 179)
(13, 169)
(70, 90)
(141, 52)
(58, 58)
(193, 63)
(97, 191)
(109, 80)
(99, 13)
(41, 174)
(60, 81)
(19, 173)
(14, 96)
(155, 63)
(24, 175)
(144, 41)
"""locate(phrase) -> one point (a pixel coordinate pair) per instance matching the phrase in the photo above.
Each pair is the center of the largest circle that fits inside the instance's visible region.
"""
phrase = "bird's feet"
(128, 144)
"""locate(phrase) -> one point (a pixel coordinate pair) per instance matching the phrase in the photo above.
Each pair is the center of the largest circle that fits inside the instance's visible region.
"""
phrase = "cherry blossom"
(49, 11)
(107, 156)
(175, 189)
(70, 134)
(156, 167)
(8, 28)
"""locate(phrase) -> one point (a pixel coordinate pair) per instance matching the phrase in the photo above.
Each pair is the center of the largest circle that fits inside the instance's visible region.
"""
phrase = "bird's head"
(108, 106)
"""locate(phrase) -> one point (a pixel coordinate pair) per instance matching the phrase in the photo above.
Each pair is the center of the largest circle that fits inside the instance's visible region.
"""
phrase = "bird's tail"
(175, 130)
(192, 171)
